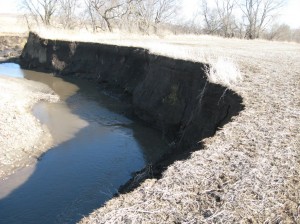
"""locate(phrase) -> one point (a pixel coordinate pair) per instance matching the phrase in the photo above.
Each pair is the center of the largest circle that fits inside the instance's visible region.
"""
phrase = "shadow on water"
(85, 167)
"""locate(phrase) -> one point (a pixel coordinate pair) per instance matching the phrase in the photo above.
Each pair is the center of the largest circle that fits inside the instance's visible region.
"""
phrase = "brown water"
(95, 151)
(61, 121)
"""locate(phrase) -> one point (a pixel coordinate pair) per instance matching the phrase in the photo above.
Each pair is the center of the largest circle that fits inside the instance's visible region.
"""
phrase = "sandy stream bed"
(22, 138)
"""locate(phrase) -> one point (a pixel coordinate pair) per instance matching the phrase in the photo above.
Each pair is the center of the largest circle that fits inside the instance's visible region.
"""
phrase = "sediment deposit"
(22, 138)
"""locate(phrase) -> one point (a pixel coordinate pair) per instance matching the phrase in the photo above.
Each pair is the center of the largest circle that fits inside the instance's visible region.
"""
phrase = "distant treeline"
(248, 19)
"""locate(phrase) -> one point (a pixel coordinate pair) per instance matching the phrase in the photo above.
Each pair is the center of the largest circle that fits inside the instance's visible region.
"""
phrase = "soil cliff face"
(171, 95)
(11, 47)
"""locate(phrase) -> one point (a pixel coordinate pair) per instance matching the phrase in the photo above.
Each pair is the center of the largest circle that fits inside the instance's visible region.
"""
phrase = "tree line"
(248, 19)
(101, 15)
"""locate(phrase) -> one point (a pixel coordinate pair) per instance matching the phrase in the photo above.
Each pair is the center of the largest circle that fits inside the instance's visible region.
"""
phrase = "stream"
(96, 149)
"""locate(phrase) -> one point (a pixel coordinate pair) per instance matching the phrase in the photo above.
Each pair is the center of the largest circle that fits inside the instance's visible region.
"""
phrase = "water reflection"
(97, 150)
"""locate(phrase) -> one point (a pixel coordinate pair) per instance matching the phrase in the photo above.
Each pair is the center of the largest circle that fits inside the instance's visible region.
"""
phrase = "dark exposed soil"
(171, 95)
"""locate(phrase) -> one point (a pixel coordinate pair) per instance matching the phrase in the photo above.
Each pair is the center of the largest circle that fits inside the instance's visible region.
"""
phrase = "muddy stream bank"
(170, 95)
(96, 149)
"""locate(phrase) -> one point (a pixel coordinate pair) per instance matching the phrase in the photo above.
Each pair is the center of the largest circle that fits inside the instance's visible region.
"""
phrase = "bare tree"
(164, 10)
(106, 12)
(41, 10)
(150, 14)
(258, 14)
(91, 15)
(280, 32)
(296, 35)
(127, 14)
(219, 19)
(226, 18)
(67, 13)
(211, 20)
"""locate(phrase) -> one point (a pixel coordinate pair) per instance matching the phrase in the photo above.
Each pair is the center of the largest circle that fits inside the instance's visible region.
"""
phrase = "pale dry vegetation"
(249, 172)
(12, 24)
(22, 138)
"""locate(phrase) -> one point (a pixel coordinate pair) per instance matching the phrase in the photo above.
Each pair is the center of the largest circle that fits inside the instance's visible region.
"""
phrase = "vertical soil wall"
(169, 94)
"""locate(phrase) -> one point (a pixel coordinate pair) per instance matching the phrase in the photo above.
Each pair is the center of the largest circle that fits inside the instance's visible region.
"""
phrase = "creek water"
(95, 150)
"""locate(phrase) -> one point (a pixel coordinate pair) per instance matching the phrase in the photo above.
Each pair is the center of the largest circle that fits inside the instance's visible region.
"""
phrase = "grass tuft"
(223, 71)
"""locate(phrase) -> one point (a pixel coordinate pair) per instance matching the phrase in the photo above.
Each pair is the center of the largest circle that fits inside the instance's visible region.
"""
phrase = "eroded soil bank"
(22, 138)
(11, 46)
(171, 95)
(95, 149)
(247, 172)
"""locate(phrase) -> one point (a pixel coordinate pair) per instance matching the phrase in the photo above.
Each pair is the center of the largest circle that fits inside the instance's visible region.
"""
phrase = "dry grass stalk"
(249, 172)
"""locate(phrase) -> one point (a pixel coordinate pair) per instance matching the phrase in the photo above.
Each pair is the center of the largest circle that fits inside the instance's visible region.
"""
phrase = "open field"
(22, 137)
(11, 24)
(249, 172)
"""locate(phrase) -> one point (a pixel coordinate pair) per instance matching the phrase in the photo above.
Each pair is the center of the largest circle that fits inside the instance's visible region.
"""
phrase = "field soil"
(22, 138)
(13, 35)
(11, 46)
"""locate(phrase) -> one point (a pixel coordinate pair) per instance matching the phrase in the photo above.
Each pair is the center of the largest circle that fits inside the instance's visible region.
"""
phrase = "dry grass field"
(249, 172)
(11, 24)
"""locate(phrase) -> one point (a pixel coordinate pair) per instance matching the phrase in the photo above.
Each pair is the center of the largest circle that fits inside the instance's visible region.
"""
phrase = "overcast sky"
(289, 13)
